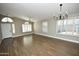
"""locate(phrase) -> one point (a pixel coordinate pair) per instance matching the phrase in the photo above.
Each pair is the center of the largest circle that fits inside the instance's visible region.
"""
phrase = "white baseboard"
(22, 35)
(58, 38)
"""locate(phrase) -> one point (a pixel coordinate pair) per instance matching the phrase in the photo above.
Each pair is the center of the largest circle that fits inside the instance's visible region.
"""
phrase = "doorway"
(6, 30)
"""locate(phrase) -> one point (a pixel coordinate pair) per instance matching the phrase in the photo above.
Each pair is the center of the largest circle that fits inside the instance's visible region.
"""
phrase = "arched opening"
(7, 27)
(6, 19)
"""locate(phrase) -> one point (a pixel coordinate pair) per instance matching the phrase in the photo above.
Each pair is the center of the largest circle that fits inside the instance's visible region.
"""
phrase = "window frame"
(45, 27)
(13, 28)
(73, 32)
(26, 27)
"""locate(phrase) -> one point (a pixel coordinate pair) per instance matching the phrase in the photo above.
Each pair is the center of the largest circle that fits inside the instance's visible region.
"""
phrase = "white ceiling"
(37, 11)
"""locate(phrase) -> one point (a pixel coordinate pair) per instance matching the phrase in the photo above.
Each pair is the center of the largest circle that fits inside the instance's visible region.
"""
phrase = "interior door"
(6, 30)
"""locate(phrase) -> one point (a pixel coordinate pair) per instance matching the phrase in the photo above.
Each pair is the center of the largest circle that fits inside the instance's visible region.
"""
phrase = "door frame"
(11, 28)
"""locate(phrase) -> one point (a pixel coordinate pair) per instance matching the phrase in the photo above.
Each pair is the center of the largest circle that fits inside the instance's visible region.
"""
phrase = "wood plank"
(37, 45)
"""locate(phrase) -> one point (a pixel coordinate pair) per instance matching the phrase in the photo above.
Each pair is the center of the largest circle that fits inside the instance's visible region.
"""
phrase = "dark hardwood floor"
(36, 45)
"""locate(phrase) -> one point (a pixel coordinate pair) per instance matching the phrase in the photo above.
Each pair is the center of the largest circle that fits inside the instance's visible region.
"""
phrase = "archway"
(6, 27)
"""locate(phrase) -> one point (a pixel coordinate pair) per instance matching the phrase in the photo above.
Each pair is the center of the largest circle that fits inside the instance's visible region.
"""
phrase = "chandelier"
(61, 15)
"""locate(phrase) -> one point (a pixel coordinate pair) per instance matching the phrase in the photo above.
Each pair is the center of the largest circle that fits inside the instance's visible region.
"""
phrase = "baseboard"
(58, 38)
(22, 34)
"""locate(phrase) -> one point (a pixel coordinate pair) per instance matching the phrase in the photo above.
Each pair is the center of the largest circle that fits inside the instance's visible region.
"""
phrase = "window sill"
(76, 35)
(27, 32)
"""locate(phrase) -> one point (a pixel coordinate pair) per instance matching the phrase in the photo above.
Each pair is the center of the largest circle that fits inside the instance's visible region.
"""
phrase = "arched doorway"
(6, 27)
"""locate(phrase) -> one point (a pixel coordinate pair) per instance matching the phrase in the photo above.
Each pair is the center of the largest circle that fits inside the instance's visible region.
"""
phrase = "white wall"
(52, 31)
(0, 29)
(18, 27)
(0, 34)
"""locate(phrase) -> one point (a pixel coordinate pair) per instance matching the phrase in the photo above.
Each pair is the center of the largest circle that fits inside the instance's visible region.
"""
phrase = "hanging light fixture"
(28, 20)
(61, 14)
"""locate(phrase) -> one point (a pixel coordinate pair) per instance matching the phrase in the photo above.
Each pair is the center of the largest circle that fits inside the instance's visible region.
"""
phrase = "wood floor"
(36, 45)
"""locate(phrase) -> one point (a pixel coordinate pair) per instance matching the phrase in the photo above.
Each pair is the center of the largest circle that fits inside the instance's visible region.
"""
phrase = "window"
(45, 26)
(27, 27)
(76, 25)
(69, 26)
(13, 28)
(7, 19)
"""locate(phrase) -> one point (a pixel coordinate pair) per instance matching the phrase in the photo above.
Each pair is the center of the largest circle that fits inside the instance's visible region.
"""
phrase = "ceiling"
(37, 11)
